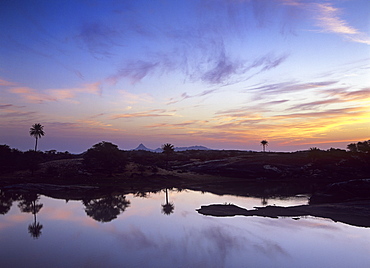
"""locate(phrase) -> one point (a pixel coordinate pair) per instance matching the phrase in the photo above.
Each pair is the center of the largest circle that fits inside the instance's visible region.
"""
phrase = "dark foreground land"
(337, 182)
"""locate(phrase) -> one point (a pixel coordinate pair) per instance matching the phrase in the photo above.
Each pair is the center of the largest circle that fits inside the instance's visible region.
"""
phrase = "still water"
(161, 230)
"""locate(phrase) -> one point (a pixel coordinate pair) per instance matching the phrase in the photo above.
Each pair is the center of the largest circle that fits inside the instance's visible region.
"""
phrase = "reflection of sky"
(144, 237)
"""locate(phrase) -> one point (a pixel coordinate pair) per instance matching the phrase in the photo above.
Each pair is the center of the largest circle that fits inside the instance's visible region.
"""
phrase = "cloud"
(182, 125)
(314, 104)
(31, 95)
(185, 96)
(17, 114)
(6, 106)
(223, 68)
(328, 18)
(288, 87)
(6, 83)
(150, 113)
(134, 71)
(99, 38)
(34, 96)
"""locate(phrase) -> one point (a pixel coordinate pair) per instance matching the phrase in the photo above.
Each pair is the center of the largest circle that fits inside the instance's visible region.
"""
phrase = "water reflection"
(29, 203)
(107, 208)
(6, 201)
(168, 207)
(135, 232)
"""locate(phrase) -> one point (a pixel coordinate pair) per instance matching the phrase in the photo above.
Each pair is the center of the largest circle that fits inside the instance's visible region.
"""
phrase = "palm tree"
(168, 149)
(37, 131)
(264, 144)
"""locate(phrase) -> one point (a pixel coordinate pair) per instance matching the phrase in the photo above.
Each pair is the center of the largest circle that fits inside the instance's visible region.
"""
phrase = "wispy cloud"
(185, 96)
(134, 71)
(34, 96)
(99, 38)
(328, 18)
(6, 83)
(286, 87)
(150, 113)
(182, 125)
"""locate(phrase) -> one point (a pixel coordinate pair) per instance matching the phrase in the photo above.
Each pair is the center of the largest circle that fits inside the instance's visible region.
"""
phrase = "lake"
(165, 230)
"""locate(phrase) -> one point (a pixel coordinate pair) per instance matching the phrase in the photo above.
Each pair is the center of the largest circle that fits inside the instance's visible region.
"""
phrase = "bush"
(105, 157)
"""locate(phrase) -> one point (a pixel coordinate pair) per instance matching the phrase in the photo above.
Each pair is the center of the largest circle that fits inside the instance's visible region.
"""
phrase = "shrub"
(104, 157)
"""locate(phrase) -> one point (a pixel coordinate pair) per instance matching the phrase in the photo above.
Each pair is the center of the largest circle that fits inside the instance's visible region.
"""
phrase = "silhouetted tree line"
(13, 159)
(361, 147)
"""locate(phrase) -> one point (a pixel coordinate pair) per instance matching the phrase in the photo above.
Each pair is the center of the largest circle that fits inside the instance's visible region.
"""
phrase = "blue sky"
(223, 74)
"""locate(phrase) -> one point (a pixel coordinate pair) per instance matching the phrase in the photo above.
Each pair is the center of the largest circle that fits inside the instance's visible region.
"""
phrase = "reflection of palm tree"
(28, 204)
(264, 144)
(35, 228)
(37, 131)
(107, 208)
(167, 208)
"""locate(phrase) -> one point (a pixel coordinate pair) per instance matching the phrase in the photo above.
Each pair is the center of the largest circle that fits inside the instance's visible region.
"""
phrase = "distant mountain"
(143, 148)
(177, 149)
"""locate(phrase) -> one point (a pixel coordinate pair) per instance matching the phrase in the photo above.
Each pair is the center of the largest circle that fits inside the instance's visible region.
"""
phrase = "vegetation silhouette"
(168, 149)
(29, 204)
(6, 201)
(264, 143)
(106, 209)
(168, 207)
(37, 131)
(105, 157)
(362, 147)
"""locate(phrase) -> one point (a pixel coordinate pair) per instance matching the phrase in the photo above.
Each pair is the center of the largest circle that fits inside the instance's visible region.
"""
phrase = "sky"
(224, 74)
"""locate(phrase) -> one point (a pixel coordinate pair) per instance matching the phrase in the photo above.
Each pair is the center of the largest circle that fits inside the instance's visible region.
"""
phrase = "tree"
(363, 147)
(37, 131)
(167, 149)
(264, 144)
(352, 147)
(105, 157)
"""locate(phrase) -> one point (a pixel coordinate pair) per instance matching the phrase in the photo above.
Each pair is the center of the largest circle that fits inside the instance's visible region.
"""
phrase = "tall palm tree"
(37, 131)
(168, 149)
(264, 144)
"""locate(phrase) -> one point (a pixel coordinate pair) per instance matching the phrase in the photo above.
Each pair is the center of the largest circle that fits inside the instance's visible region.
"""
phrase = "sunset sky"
(219, 73)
